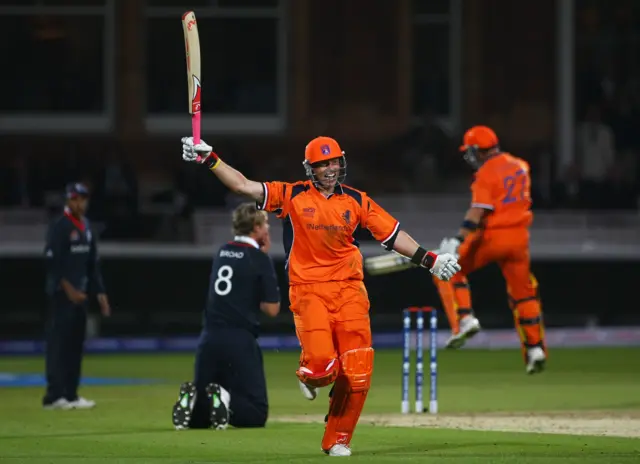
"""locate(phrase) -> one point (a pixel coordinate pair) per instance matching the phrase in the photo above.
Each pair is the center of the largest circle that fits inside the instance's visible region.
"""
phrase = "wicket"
(433, 359)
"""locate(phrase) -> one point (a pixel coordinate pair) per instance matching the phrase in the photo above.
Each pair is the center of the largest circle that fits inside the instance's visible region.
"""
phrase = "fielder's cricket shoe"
(183, 408)
(60, 403)
(469, 326)
(219, 400)
(309, 393)
(82, 403)
(339, 450)
(536, 359)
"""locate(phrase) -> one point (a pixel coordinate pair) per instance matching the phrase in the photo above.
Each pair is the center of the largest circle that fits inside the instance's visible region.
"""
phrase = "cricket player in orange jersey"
(496, 229)
(326, 291)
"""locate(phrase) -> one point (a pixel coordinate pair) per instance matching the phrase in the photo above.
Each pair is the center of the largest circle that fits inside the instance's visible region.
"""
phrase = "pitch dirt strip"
(603, 423)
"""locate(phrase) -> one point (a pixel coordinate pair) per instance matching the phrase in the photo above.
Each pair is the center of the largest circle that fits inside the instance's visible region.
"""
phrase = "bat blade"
(194, 77)
(387, 263)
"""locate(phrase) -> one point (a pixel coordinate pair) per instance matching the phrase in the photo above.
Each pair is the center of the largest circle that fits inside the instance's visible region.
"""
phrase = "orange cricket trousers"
(509, 248)
(330, 318)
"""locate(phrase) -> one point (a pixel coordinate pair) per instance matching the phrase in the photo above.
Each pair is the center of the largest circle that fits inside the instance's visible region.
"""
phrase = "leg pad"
(357, 367)
(349, 395)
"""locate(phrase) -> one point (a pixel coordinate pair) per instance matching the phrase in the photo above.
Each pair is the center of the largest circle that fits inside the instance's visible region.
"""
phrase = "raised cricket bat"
(194, 81)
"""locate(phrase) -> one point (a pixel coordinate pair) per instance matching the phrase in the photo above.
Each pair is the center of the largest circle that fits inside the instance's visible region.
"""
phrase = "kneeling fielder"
(230, 386)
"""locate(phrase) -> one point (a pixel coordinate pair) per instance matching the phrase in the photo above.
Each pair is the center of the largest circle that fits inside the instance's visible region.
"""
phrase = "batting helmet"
(475, 139)
(323, 149)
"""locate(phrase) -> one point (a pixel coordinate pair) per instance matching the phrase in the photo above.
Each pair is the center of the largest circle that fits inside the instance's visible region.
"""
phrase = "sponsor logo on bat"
(195, 101)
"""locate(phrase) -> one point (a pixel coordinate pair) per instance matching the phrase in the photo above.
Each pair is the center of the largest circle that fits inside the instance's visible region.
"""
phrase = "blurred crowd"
(606, 171)
(134, 203)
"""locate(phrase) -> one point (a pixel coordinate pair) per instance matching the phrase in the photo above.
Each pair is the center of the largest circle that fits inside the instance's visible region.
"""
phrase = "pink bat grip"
(195, 129)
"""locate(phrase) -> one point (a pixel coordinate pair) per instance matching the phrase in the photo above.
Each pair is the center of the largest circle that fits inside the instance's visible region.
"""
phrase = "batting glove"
(450, 246)
(201, 153)
(445, 266)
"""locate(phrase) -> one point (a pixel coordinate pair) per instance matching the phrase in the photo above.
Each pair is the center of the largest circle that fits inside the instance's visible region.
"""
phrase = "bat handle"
(195, 130)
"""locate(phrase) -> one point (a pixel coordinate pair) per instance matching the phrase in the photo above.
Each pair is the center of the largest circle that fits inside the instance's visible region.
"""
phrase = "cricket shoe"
(339, 450)
(82, 403)
(309, 393)
(219, 400)
(60, 403)
(183, 408)
(536, 359)
(469, 326)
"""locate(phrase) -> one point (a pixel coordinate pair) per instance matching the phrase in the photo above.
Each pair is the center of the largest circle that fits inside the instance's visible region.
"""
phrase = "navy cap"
(76, 189)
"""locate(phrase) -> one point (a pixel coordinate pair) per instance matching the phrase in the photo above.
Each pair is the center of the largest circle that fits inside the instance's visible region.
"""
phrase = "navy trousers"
(232, 358)
(65, 334)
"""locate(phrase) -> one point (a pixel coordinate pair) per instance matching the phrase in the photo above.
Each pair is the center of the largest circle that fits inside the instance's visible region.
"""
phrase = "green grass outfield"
(584, 391)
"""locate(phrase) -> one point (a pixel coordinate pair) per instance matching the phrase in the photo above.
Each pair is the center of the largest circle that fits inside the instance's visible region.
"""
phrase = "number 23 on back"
(516, 187)
(502, 186)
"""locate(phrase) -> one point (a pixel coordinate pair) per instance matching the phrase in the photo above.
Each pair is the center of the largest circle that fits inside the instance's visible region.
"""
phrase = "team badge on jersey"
(347, 217)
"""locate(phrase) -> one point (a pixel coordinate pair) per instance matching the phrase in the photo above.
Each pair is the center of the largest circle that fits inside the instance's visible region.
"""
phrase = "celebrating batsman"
(328, 298)
(496, 229)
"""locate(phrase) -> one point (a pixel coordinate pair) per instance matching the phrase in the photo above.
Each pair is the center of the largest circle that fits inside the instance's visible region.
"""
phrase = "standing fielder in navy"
(73, 272)
(230, 386)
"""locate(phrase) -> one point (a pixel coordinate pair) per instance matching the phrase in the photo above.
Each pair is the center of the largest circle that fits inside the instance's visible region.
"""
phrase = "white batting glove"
(445, 266)
(450, 246)
(195, 153)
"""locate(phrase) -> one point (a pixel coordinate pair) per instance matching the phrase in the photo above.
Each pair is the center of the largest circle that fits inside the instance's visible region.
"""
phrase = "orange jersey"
(502, 186)
(318, 231)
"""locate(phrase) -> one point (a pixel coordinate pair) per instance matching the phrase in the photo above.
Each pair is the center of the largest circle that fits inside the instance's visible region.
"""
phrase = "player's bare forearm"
(472, 220)
(405, 244)
(409, 248)
(67, 287)
(270, 309)
(203, 154)
(237, 182)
